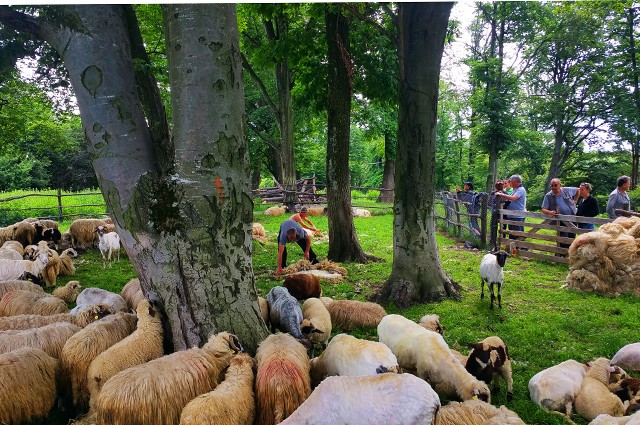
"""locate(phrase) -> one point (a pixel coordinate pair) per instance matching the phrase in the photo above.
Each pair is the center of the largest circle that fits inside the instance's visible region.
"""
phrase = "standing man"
(302, 220)
(619, 198)
(518, 202)
(560, 200)
(290, 231)
(468, 196)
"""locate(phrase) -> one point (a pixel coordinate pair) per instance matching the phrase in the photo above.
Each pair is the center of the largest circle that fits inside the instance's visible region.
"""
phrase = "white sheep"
(628, 357)
(276, 211)
(316, 321)
(347, 355)
(27, 302)
(13, 269)
(427, 352)
(556, 388)
(489, 360)
(109, 244)
(605, 419)
(476, 412)
(365, 400)
(491, 271)
(155, 393)
(594, 397)
(142, 346)
(361, 212)
(28, 385)
(27, 321)
(90, 296)
(49, 338)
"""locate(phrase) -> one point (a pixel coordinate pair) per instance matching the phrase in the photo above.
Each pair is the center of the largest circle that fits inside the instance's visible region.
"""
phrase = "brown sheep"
(26, 302)
(68, 292)
(66, 262)
(303, 286)
(132, 293)
(83, 234)
(27, 321)
(49, 338)
(24, 233)
(350, 314)
(12, 285)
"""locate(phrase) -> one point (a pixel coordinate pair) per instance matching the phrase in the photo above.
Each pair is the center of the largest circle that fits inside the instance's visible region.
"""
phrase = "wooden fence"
(63, 210)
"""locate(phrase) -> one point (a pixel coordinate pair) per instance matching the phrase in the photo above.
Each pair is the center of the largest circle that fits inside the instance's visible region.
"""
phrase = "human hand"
(278, 271)
(306, 255)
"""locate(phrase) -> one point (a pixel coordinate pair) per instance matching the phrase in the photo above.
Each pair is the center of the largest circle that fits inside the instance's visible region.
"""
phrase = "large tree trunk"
(389, 171)
(417, 274)
(343, 242)
(635, 144)
(185, 224)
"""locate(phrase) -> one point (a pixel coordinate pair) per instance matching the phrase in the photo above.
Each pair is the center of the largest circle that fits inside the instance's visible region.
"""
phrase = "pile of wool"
(607, 261)
(325, 269)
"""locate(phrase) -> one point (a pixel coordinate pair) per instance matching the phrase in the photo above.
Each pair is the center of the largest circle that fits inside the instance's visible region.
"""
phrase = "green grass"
(542, 323)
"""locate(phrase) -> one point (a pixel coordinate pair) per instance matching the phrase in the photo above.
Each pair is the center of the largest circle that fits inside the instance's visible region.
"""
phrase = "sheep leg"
(493, 297)
(481, 288)
(500, 295)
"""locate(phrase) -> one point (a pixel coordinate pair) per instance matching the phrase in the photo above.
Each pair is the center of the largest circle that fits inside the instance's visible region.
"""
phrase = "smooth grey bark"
(417, 274)
(388, 172)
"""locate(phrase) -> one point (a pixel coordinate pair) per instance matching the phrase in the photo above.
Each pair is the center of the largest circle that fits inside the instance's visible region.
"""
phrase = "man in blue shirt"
(291, 231)
(518, 202)
(560, 200)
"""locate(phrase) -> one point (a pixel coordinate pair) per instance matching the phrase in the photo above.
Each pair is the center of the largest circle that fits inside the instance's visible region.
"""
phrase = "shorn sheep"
(556, 388)
(84, 346)
(143, 345)
(594, 397)
(489, 361)
(427, 352)
(27, 302)
(628, 357)
(285, 314)
(230, 403)
(303, 286)
(364, 400)
(491, 271)
(282, 379)
(28, 385)
(350, 314)
(155, 393)
(347, 355)
(109, 245)
(49, 338)
(476, 412)
(90, 296)
(27, 321)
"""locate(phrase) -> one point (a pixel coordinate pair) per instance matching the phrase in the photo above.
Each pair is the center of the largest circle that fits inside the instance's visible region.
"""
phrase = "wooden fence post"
(59, 204)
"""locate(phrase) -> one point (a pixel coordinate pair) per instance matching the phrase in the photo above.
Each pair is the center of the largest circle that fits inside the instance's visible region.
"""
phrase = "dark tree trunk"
(343, 242)
(389, 170)
(417, 275)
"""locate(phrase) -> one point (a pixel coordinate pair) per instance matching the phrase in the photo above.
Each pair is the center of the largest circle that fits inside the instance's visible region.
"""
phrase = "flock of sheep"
(105, 364)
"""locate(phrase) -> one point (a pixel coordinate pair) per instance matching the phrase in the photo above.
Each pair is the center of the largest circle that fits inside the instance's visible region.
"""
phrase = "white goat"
(109, 244)
(491, 271)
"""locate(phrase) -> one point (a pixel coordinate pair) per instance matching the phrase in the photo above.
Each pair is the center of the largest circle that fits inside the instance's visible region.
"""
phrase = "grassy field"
(542, 323)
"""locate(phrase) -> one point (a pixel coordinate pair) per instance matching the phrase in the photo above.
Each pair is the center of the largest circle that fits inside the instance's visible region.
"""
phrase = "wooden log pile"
(306, 192)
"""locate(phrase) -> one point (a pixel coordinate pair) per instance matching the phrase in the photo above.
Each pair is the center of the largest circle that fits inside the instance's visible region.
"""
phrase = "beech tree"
(181, 204)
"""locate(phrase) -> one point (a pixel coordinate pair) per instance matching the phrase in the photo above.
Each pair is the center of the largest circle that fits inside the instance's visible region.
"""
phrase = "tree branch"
(21, 22)
(246, 65)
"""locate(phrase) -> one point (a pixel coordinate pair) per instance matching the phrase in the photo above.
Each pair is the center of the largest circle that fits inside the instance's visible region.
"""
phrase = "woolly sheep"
(90, 296)
(556, 388)
(282, 378)
(230, 403)
(132, 293)
(389, 398)
(628, 389)
(30, 252)
(347, 355)
(491, 271)
(303, 286)
(68, 292)
(143, 345)
(13, 269)
(28, 385)
(264, 310)
(82, 232)
(427, 352)
(10, 253)
(12, 285)
(66, 262)
(285, 314)
(476, 412)
(109, 244)
(27, 321)
(49, 338)
(27, 302)
(628, 357)
(432, 322)
(316, 210)
(258, 232)
(51, 269)
(605, 419)
(155, 393)
(361, 212)
(350, 314)
(316, 321)
(14, 245)
(24, 233)
(489, 360)
(594, 397)
(84, 346)
(276, 211)
(6, 233)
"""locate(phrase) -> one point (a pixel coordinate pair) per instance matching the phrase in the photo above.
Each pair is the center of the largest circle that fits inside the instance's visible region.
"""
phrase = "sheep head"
(501, 257)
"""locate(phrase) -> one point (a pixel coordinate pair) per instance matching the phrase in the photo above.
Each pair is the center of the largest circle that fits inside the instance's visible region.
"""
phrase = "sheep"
(303, 286)
(24, 232)
(27, 302)
(66, 262)
(316, 210)
(143, 345)
(628, 357)
(84, 346)
(12, 285)
(155, 393)
(491, 271)
(15, 245)
(52, 269)
(230, 403)
(6, 233)
(350, 314)
(282, 378)
(489, 360)
(132, 293)
(109, 244)
(258, 232)
(91, 296)
(628, 389)
(427, 352)
(27, 321)
(82, 232)
(556, 388)
(432, 322)
(285, 314)
(476, 412)
(28, 385)
(30, 252)
(605, 419)
(10, 253)
(276, 211)
(264, 310)
(364, 400)
(49, 338)
(594, 397)
(347, 355)
(361, 212)
(13, 269)
(69, 292)
(316, 321)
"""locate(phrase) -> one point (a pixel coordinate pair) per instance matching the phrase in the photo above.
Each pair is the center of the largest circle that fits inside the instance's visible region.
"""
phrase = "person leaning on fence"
(496, 203)
(518, 203)
(560, 201)
(619, 198)
(290, 231)
(587, 206)
(468, 197)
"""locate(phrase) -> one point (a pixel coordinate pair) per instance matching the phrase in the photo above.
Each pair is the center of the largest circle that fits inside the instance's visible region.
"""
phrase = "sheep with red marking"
(27, 302)
(303, 286)
(27, 321)
(155, 393)
(350, 314)
(215, 408)
(28, 385)
(489, 361)
(282, 379)
(49, 338)
(427, 352)
(556, 388)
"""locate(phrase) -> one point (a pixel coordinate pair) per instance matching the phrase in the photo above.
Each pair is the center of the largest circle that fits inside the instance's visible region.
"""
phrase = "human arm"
(313, 227)
(280, 251)
(545, 207)
(513, 197)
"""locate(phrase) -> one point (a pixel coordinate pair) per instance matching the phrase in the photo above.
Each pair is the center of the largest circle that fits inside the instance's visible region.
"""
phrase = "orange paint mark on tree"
(219, 189)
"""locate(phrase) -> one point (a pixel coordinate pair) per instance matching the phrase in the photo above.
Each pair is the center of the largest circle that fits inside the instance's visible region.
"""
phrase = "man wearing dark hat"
(467, 196)
(301, 219)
